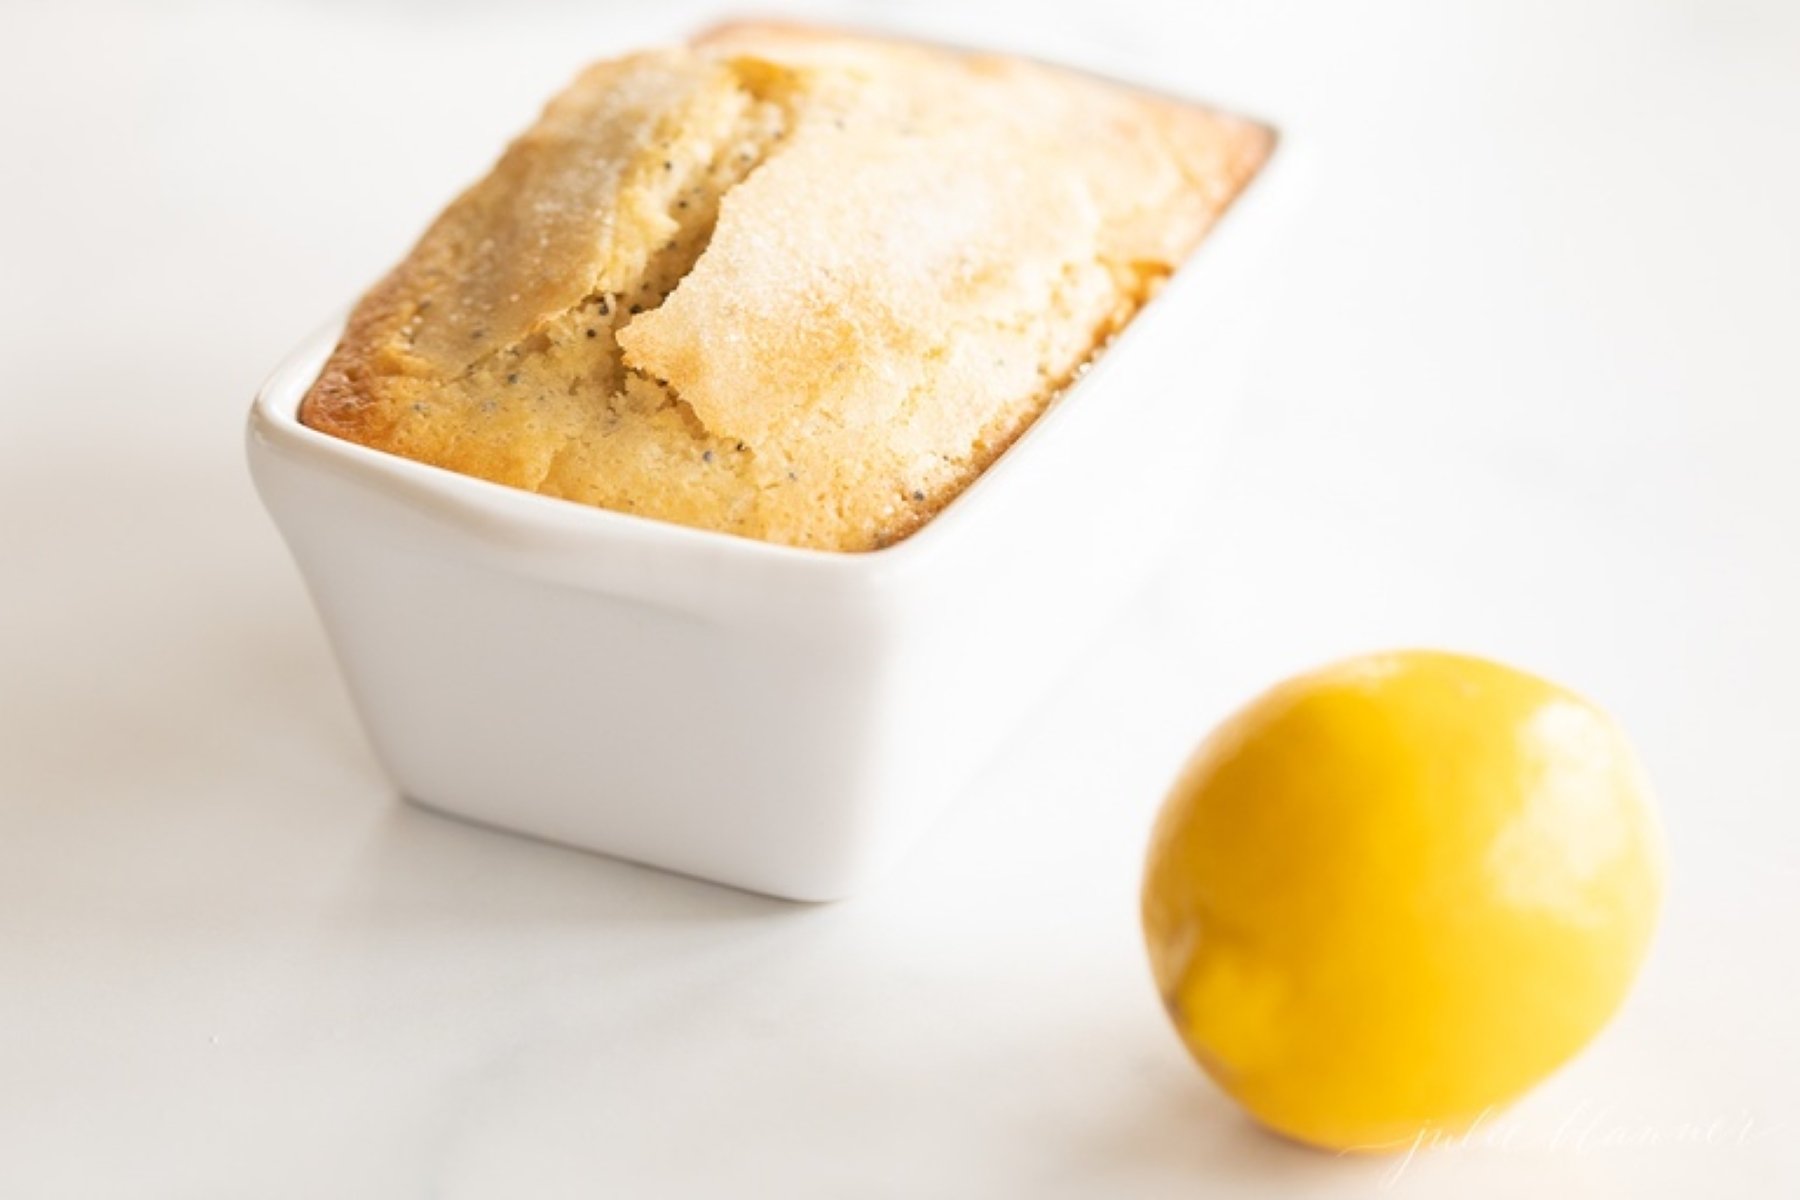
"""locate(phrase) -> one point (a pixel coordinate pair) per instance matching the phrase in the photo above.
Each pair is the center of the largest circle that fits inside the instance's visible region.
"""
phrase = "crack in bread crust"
(692, 207)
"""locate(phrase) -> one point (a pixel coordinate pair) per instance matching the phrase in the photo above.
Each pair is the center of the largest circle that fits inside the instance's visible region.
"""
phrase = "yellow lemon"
(1391, 895)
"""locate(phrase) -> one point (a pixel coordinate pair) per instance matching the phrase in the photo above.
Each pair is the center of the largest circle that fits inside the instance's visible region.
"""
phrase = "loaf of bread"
(784, 283)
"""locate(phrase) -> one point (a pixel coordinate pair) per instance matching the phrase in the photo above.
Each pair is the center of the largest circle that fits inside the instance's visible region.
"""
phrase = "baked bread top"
(784, 283)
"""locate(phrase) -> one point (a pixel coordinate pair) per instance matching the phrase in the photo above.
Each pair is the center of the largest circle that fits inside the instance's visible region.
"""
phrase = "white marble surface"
(1534, 394)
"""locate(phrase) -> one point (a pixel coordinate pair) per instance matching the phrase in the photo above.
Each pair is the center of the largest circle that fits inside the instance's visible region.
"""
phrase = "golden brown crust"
(784, 283)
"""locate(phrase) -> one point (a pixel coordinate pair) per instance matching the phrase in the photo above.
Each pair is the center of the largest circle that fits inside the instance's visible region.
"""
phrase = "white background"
(1532, 393)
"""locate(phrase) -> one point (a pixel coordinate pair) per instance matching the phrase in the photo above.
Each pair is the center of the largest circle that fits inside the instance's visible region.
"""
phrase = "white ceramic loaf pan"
(783, 720)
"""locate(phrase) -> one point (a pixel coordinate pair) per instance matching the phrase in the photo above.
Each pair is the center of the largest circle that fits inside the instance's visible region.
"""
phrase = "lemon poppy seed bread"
(783, 283)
